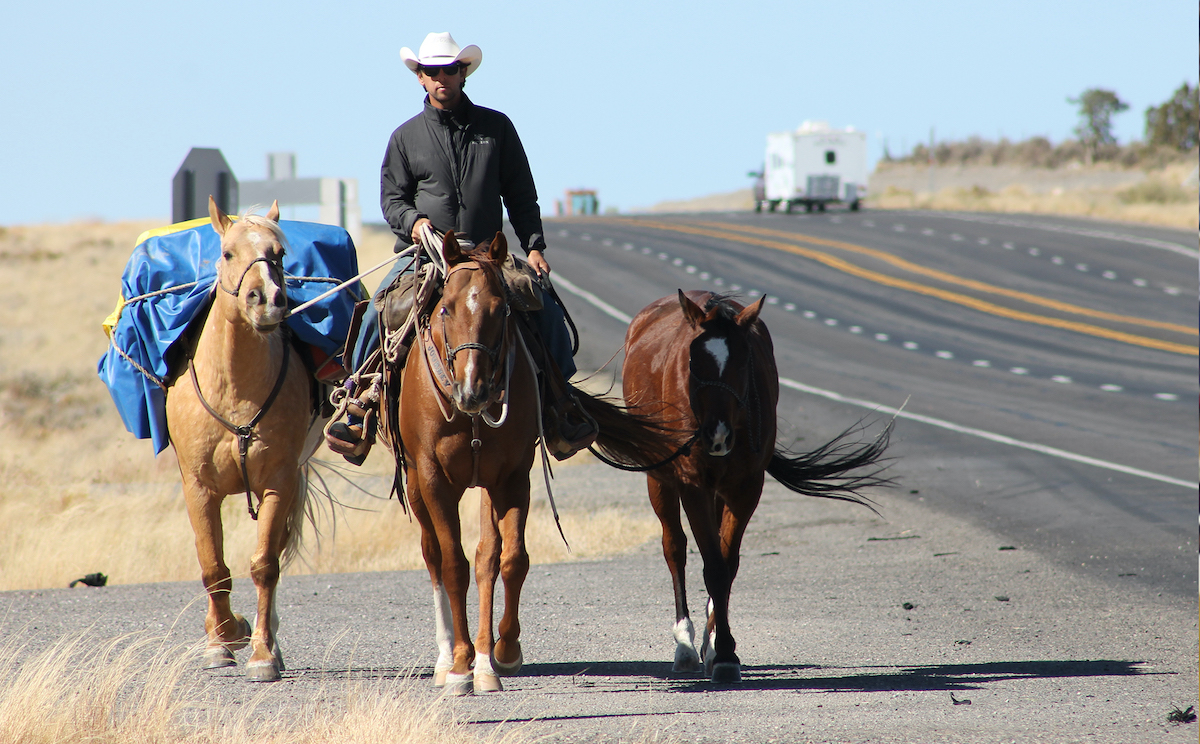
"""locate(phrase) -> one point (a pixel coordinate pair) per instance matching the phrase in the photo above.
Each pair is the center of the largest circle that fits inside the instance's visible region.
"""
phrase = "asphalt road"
(1057, 595)
(851, 628)
(1070, 335)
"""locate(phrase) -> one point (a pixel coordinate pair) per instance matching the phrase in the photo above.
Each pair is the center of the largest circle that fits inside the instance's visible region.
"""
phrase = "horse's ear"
(450, 250)
(691, 310)
(273, 212)
(498, 250)
(746, 317)
(220, 220)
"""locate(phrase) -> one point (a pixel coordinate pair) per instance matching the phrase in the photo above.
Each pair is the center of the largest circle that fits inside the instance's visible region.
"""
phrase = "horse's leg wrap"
(686, 658)
(486, 677)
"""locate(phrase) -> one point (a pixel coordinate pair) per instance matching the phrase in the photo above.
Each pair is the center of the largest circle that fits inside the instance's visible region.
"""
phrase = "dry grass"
(78, 494)
(1156, 198)
(134, 691)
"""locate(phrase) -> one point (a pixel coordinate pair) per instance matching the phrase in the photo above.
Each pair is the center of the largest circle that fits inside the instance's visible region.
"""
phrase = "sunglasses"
(433, 70)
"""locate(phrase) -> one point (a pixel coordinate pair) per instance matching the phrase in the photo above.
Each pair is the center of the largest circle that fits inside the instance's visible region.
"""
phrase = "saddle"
(568, 428)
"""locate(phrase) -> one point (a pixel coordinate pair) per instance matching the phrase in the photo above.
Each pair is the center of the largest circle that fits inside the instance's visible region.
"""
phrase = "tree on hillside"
(1096, 109)
(1176, 123)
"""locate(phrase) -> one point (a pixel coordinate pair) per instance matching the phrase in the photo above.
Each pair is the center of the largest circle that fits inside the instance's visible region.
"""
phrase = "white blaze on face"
(720, 441)
(473, 300)
(718, 348)
(719, 351)
(469, 369)
(268, 282)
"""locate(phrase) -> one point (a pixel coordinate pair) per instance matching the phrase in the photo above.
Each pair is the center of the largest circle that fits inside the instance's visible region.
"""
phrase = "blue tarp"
(318, 257)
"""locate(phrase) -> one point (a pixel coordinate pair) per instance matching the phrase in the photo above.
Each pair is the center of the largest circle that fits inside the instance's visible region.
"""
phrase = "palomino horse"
(239, 419)
(706, 365)
(468, 416)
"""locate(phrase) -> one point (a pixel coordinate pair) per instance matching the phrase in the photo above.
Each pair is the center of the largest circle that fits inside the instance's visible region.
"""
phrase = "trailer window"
(830, 157)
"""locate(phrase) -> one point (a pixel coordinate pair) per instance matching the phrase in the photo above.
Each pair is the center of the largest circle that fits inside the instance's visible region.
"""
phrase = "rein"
(245, 432)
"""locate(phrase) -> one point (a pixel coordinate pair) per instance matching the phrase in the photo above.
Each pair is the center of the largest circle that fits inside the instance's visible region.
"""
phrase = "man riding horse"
(449, 168)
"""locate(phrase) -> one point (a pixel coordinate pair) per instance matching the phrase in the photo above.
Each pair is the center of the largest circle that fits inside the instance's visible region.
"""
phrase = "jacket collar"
(462, 115)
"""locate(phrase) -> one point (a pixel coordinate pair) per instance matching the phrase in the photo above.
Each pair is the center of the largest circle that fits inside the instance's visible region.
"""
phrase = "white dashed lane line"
(791, 307)
(898, 413)
(1036, 252)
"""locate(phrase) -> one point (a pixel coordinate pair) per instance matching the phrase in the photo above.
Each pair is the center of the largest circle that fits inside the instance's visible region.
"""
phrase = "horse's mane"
(724, 306)
(257, 220)
(479, 254)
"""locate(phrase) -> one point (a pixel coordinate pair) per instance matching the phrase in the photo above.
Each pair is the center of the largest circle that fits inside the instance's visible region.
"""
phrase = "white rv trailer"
(815, 165)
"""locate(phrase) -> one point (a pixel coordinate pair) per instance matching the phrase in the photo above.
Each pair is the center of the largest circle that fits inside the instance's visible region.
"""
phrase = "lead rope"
(245, 432)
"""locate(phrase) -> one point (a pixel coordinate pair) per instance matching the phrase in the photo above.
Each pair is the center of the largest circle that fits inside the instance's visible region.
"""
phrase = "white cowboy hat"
(442, 49)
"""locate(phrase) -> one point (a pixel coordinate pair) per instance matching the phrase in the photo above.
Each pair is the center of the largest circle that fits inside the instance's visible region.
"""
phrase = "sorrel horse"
(705, 364)
(468, 415)
(240, 418)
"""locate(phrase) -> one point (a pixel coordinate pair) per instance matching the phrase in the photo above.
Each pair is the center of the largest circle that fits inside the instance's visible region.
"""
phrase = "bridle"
(441, 371)
(752, 411)
(245, 432)
(493, 352)
(272, 263)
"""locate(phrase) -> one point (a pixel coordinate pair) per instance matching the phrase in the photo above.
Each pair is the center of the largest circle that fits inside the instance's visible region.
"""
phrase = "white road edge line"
(990, 436)
(595, 301)
(616, 314)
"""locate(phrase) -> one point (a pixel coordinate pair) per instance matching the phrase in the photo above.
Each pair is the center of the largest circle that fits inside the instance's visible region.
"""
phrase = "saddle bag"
(395, 304)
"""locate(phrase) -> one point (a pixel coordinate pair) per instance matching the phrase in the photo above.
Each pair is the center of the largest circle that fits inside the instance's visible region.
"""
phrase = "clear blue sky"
(644, 101)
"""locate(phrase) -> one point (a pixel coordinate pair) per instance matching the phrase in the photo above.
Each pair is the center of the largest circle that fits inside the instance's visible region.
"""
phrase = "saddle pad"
(167, 282)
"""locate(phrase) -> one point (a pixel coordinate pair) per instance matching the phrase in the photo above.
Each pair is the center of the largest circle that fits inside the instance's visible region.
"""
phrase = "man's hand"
(416, 231)
(538, 263)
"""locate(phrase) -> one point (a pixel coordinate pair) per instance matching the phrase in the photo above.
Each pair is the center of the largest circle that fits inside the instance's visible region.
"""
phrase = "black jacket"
(455, 167)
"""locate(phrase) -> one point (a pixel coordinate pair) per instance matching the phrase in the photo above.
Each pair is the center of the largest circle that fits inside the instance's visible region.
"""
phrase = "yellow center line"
(960, 299)
(960, 281)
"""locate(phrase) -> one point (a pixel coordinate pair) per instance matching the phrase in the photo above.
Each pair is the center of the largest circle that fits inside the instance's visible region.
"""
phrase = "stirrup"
(569, 428)
(352, 439)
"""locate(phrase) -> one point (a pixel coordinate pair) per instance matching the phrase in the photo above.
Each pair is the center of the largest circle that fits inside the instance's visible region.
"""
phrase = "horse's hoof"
(439, 676)
(459, 684)
(727, 673)
(244, 631)
(686, 659)
(218, 657)
(262, 671)
(277, 656)
(488, 682)
(509, 669)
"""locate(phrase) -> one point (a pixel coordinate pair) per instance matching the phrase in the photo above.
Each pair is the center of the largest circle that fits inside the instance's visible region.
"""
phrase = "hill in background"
(1132, 183)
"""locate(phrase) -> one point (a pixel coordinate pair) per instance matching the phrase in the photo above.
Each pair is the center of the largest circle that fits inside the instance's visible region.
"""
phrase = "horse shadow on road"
(936, 677)
(799, 677)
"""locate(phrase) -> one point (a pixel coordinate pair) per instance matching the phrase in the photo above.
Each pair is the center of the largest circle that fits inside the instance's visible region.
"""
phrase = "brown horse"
(468, 415)
(705, 365)
(240, 420)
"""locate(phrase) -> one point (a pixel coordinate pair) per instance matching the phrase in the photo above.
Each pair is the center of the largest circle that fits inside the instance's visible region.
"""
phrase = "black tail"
(826, 472)
(631, 441)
